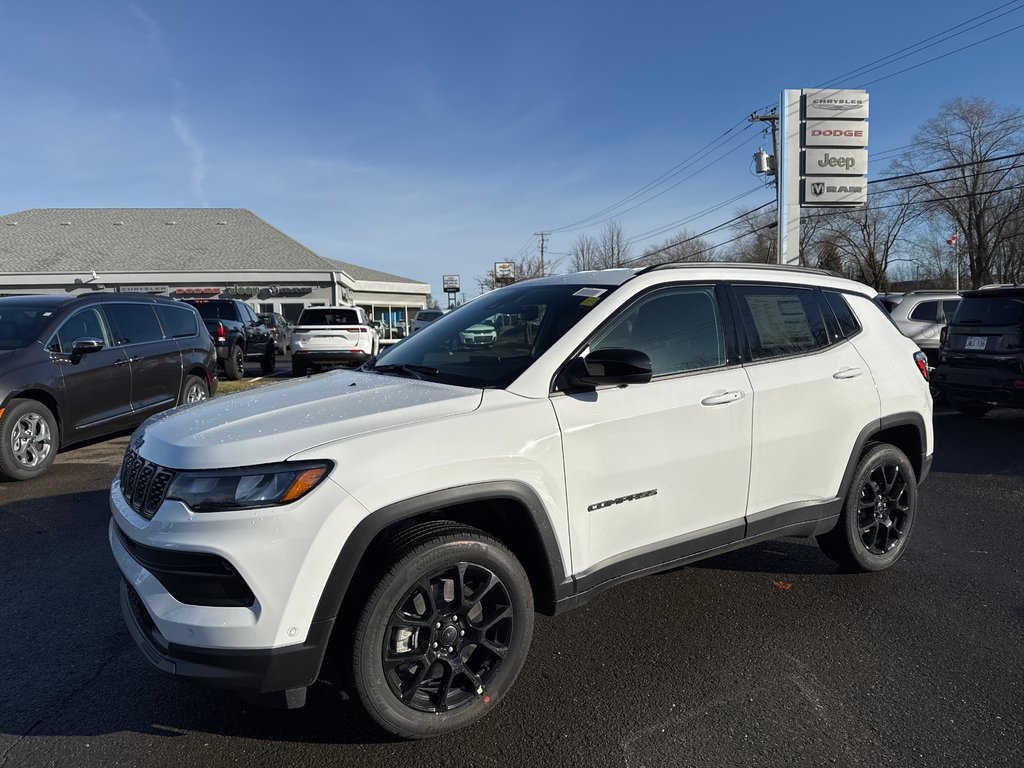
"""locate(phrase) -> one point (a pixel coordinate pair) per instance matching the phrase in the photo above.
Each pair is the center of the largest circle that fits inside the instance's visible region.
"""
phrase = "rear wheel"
(234, 364)
(298, 368)
(445, 632)
(874, 526)
(195, 390)
(28, 439)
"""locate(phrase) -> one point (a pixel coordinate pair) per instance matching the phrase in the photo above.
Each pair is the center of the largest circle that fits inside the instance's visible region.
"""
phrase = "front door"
(658, 471)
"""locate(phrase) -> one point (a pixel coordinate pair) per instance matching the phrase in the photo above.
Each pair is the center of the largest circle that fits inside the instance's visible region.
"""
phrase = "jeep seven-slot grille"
(143, 483)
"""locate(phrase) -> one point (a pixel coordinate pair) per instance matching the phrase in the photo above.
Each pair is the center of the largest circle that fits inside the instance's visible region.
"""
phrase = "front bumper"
(275, 675)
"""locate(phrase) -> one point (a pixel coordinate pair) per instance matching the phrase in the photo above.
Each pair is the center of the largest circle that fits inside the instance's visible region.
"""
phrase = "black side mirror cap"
(613, 366)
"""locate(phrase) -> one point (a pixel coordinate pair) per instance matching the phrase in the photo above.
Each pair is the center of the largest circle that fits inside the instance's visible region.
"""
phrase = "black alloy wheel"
(877, 516)
(234, 365)
(884, 508)
(443, 631)
(447, 638)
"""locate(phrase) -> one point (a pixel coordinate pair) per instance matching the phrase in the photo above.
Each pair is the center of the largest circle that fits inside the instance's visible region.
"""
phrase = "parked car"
(74, 368)
(280, 330)
(424, 318)
(332, 336)
(981, 361)
(420, 509)
(921, 316)
(238, 334)
(478, 335)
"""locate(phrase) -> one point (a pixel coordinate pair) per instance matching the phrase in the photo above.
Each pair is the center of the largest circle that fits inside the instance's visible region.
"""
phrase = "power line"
(700, 214)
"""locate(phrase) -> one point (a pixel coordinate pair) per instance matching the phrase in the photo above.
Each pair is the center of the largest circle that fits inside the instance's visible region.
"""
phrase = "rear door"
(155, 358)
(813, 394)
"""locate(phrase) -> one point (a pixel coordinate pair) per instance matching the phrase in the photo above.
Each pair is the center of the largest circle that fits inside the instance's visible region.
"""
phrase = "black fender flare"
(358, 542)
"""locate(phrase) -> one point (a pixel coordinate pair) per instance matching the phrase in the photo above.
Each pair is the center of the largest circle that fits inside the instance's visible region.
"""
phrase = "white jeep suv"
(420, 509)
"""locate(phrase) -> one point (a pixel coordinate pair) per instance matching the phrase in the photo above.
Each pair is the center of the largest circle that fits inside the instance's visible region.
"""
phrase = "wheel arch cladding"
(509, 511)
(905, 431)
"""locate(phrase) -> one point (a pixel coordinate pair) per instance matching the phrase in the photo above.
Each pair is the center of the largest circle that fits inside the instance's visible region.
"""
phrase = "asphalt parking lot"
(768, 656)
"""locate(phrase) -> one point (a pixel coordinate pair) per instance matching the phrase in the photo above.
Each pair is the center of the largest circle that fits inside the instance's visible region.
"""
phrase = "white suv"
(332, 335)
(420, 509)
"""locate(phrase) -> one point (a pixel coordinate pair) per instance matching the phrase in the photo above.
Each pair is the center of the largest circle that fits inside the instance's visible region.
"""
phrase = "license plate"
(976, 342)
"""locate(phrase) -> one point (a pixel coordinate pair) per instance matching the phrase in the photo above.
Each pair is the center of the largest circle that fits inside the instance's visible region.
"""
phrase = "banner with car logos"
(833, 148)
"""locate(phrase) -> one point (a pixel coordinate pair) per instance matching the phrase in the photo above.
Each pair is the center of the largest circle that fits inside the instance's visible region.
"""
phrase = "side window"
(947, 310)
(251, 315)
(680, 329)
(847, 323)
(87, 324)
(925, 312)
(178, 322)
(780, 320)
(134, 323)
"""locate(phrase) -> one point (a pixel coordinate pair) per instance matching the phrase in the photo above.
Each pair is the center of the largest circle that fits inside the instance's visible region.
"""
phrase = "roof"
(46, 240)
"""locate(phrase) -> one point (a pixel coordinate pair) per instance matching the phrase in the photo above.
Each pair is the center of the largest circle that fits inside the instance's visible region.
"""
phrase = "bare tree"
(681, 247)
(585, 254)
(980, 197)
(757, 239)
(523, 268)
(614, 248)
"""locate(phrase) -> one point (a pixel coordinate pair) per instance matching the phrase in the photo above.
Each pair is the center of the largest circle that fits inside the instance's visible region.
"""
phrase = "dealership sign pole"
(825, 163)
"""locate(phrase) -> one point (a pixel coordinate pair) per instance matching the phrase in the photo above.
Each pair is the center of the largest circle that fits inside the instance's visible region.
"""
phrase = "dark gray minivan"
(79, 367)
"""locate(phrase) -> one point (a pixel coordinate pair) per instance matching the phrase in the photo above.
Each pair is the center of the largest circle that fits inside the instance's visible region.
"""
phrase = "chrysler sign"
(846, 104)
(835, 162)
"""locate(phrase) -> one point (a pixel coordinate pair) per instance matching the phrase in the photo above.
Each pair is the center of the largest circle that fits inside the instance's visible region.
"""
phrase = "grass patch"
(227, 387)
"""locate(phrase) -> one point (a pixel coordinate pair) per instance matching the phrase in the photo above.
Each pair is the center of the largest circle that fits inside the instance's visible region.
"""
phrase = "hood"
(275, 422)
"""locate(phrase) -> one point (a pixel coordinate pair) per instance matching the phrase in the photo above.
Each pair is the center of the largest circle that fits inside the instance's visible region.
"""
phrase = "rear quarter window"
(845, 319)
(178, 322)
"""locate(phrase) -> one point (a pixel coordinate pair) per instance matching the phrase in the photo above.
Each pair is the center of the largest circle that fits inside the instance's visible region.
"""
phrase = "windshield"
(322, 316)
(990, 310)
(491, 340)
(21, 325)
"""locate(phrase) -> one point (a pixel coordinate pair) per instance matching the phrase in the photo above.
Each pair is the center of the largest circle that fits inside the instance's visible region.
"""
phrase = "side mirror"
(84, 346)
(608, 366)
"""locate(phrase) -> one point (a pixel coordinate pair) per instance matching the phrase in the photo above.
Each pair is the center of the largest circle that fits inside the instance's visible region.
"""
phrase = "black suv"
(79, 367)
(981, 360)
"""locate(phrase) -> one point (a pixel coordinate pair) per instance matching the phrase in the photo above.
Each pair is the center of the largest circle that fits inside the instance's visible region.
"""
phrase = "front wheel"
(29, 438)
(874, 526)
(444, 634)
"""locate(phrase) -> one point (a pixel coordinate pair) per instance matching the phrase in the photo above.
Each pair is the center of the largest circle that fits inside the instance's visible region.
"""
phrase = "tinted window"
(21, 325)
(925, 312)
(781, 320)
(178, 322)
(429, 315)
(990, 310)
(87, 324)
(134, 323)
(680, 329)
(215, 310)
(321, 316)
(848, 324)
(947, 308)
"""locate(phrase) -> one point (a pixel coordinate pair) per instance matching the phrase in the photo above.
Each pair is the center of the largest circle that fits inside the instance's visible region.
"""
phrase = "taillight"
(222, 333)
(922, 363)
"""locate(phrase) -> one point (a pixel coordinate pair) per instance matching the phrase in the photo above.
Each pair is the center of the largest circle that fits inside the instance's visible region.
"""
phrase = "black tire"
(234, 363)
(298, 368)
(444, 632)
(268, 363)
(195, 390)
(28, 439)
(971, 410)
(874, 527)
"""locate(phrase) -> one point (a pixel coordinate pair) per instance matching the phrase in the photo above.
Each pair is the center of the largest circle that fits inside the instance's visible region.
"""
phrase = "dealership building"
(190, 253)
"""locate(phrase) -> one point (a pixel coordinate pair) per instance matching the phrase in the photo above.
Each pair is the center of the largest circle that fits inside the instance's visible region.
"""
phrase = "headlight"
(272, 485)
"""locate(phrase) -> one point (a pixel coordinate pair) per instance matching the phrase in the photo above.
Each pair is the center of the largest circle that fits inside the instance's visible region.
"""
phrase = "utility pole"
(543, 237)
(772, 119)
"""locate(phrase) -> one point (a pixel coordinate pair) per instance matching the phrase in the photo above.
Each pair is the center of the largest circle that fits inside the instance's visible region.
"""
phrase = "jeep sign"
(835, 162)
(835, 133)
(833, 190)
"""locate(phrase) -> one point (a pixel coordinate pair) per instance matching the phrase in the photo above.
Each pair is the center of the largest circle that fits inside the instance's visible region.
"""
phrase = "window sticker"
(593, 293)
(590, 301)
(780, 321)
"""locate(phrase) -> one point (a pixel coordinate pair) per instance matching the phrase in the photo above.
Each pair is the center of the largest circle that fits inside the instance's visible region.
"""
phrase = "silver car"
(921, 315)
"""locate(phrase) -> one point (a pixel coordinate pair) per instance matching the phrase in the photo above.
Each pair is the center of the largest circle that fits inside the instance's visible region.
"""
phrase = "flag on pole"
(952, 240)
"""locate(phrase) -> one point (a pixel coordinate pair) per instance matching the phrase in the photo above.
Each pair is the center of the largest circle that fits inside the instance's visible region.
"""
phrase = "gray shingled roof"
(156, 240)
(365, 273)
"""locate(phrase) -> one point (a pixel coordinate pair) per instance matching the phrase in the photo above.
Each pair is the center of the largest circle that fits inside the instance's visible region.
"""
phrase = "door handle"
(722, 398)
(847, 373)
(122, 362)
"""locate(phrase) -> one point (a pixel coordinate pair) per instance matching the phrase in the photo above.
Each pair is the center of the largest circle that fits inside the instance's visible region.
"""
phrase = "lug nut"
(435, 645)
(438, 625)
(450, 649)
(455, 618)
(462, 633)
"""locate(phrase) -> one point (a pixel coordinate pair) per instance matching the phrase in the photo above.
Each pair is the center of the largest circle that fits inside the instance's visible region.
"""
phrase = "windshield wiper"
(412, 371)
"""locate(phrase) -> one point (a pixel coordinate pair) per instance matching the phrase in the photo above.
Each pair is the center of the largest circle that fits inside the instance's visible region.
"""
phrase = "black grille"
(138, 609)
(143, 483)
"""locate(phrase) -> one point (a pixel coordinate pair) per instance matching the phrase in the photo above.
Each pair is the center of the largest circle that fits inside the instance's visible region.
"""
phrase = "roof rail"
(736, 265)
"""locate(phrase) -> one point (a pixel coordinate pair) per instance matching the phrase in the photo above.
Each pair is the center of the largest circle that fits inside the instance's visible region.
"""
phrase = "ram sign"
(834, 190)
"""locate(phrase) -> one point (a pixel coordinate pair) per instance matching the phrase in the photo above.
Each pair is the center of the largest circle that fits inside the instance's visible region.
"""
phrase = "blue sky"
(435, 137)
